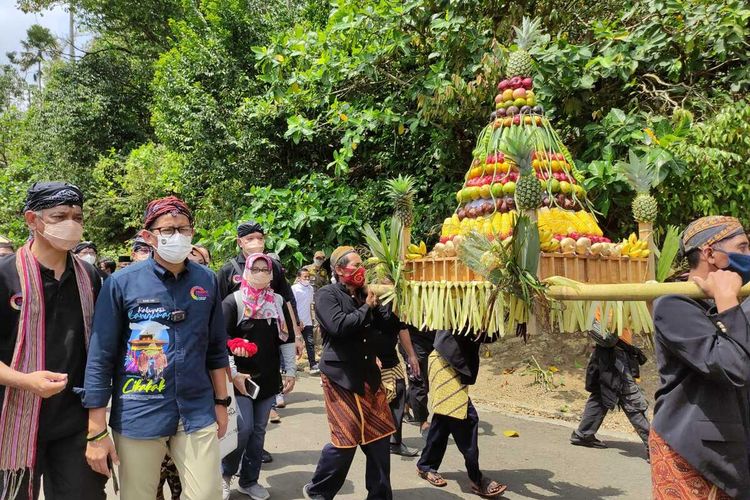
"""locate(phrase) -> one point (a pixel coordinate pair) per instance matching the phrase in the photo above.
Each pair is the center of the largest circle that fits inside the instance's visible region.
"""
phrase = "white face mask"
(90, 258)
(319, 262)
(63, 235)
(174, 249)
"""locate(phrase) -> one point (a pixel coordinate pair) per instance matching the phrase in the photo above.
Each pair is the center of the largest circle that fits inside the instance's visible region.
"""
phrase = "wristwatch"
(224, 402)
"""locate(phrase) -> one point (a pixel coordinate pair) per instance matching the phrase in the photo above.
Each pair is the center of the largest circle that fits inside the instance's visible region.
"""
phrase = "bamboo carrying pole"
(637, 292)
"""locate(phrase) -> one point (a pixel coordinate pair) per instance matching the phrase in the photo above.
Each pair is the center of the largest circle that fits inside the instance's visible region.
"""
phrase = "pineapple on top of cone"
(520, 163)
(642, 176)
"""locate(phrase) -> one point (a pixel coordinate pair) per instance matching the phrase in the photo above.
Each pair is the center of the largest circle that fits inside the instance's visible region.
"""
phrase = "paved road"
(540, 464)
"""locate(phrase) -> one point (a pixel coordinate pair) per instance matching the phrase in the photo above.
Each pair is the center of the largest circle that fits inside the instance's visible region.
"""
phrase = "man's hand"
(372, 299)
(97, 453)
(722, 286)
(414, 366)
(288, 385)
(222, 419)
(44, 383)
(299, 345)
(239, 383)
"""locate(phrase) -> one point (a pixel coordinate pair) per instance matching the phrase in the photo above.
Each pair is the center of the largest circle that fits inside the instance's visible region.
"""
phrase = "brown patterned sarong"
(674, 479)
(355, 419)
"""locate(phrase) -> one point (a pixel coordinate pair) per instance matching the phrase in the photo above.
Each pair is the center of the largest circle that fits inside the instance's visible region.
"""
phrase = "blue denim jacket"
(151, 360)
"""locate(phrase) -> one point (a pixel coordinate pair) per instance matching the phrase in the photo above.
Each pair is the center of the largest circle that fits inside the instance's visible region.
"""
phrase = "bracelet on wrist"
(103, 434)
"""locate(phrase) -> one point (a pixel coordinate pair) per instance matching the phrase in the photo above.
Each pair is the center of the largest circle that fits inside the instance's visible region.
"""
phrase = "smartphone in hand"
(252, 388)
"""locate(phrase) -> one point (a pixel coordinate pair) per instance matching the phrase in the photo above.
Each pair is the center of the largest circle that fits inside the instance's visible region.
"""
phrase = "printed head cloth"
(339, 254)
(249, 227)
(162, 206)
(707, 231)
(43, 195)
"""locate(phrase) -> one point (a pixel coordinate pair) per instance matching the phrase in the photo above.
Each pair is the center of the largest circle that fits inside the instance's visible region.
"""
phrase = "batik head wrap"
(707, 231)
(42, 195)
(249, 227)
(162, 206)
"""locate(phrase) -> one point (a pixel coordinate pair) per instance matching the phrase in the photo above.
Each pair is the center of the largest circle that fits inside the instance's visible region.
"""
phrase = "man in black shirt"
(46, 301)
(251, 238)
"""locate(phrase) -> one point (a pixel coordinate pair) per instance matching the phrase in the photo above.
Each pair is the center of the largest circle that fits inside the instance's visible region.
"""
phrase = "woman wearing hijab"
(358, 412)
(257, 321)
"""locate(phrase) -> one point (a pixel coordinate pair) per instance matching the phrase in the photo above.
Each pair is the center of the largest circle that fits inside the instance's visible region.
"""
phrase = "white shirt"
(303, 294)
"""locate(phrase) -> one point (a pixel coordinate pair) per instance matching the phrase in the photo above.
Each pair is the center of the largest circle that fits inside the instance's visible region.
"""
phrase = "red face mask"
(355, 278)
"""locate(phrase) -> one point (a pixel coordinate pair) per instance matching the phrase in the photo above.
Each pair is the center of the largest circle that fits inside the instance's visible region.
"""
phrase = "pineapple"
(641, 176)
(518, 147)
(401, 192)
(520, 62)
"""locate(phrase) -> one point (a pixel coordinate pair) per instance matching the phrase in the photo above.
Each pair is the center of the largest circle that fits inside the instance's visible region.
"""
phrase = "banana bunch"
(414, 252)
(546, 241)
(634, 248)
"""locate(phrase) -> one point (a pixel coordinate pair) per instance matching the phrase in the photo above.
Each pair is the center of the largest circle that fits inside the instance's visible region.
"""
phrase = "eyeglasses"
(169, 231)
(258, 270)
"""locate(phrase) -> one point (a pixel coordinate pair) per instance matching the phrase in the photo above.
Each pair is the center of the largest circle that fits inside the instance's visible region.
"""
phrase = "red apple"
(515, 82)
(528, 83)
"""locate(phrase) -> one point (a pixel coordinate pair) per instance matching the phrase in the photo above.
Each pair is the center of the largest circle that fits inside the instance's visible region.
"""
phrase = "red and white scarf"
(19, 419)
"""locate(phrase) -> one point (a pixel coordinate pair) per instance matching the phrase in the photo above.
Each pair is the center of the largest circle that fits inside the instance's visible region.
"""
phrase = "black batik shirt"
(65, 348)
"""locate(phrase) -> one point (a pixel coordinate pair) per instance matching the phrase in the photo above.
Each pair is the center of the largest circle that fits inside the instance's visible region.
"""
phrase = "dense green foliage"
(294, 112)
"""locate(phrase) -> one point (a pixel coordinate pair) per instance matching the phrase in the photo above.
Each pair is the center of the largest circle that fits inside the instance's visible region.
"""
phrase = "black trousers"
(334, 464)
(397, 409)
(634, 405)
(419, 386)
(66, 474)
(465, 433)
(309, 337)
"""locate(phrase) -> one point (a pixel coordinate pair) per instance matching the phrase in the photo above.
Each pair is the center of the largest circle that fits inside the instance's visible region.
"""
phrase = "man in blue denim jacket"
(158, 348)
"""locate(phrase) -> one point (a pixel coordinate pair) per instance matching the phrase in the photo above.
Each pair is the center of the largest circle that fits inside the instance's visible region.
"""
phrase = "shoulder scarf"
(19, 420)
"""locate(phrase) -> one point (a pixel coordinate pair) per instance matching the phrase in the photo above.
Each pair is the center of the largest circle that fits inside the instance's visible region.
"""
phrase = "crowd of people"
(162, 346)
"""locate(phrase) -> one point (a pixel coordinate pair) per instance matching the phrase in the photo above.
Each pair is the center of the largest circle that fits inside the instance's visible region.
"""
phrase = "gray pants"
(634, 405)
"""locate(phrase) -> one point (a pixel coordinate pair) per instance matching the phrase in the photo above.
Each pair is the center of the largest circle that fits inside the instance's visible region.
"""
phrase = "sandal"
(433, 478)
(488, 488)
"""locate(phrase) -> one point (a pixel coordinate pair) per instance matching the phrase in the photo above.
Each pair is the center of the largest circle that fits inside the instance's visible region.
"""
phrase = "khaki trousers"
(196, 456)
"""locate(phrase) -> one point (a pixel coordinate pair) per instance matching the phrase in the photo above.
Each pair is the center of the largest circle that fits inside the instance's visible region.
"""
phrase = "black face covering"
(44, 195)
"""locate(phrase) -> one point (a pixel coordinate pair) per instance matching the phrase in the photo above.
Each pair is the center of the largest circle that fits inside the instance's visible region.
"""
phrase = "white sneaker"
(256, 492)
(314, 370)
(280, 403)
(226, 487)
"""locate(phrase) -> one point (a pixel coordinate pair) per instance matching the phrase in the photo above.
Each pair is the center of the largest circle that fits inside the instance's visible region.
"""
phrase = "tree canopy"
(295, 112)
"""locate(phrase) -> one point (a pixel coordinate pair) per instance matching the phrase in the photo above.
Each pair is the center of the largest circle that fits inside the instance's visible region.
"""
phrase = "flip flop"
(433, 478)
(489, 488)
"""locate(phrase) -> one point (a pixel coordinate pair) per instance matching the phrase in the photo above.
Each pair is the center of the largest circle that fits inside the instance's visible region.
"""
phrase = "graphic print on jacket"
(146, 360)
